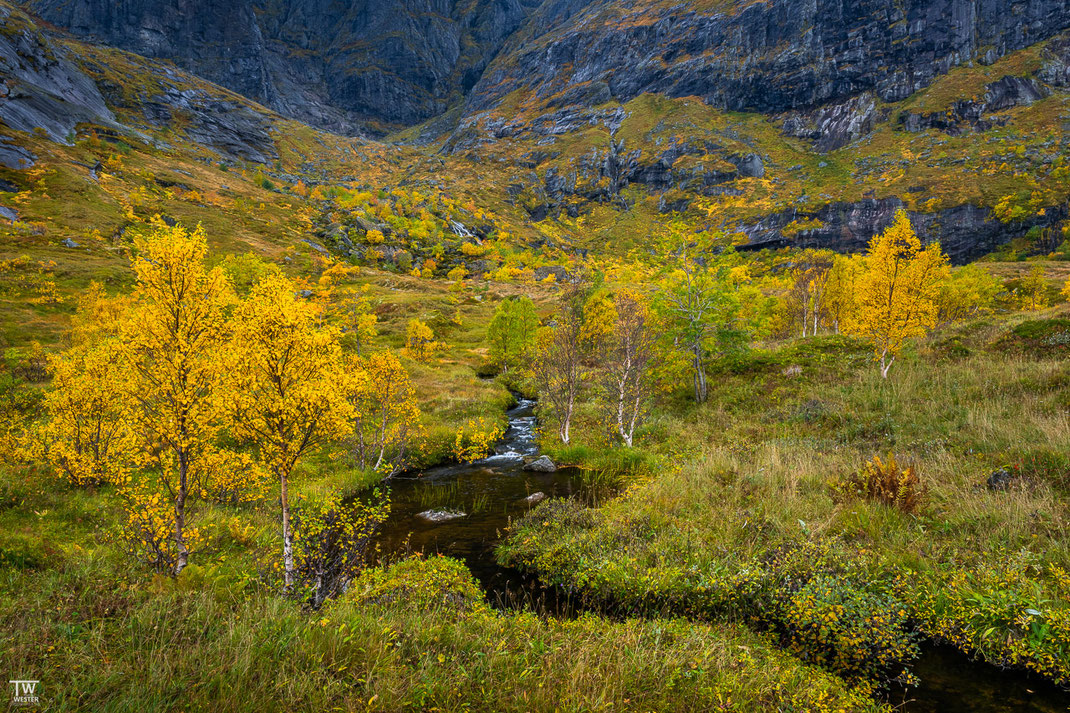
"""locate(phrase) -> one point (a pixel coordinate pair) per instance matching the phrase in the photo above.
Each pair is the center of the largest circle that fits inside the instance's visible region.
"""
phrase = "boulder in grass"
(535, 498)
(1001, 479)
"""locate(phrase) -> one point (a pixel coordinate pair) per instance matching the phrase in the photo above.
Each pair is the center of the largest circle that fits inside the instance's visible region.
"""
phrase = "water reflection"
(953, 683)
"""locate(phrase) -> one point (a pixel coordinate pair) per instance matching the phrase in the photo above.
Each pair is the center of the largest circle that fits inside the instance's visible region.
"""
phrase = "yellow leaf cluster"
(896, 290)
(420, 341)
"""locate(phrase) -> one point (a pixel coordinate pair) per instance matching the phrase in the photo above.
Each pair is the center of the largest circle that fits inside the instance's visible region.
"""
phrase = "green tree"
(512, 332)
(969, 291)
(1033, 293)
(699, 297)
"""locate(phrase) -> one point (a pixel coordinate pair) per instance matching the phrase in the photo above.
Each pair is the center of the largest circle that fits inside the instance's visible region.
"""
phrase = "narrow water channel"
(426, 516)
(425, 511)
(953, 683)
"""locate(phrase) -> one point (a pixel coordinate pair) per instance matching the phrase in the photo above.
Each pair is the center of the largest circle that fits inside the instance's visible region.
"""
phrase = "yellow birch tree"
(170, 343)
(897, 290)
(86, 437)
(387, 418)
(289, 390)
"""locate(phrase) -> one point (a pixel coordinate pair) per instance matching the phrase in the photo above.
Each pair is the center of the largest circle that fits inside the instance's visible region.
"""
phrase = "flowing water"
(425, 516)
(490, 493)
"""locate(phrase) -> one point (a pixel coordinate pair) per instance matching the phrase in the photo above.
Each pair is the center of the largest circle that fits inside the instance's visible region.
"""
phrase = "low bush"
(1038, 338)
(886, 482)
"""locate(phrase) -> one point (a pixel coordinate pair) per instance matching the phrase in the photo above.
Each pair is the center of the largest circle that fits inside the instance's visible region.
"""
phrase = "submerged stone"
(441, 515)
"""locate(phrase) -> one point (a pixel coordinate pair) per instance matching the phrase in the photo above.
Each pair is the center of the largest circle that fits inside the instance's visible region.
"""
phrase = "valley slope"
(586, 125)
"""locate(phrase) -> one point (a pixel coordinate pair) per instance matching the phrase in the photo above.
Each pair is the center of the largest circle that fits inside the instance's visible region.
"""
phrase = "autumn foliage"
(386, 415)
(887, 482)
(185, 393)
(897, 290)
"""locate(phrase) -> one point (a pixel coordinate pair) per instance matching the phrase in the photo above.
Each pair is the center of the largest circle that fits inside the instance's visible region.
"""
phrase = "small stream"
(493, 491)
(953, 683)
(490, 492)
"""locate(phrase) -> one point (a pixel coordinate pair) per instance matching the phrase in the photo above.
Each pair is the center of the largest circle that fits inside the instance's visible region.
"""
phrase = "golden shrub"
(887, 482)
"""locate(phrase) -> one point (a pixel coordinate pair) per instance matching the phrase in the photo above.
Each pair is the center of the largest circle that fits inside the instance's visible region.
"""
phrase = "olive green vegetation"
(1017, 167)
(749, 516)
(742, 571)
(415, 636)
(102, 633)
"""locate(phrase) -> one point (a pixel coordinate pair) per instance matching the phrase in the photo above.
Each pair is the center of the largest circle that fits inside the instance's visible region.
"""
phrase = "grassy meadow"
(739, 565)
(750, 516)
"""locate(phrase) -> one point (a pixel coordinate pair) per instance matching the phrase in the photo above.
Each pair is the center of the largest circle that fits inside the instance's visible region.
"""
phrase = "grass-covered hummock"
(415, 636)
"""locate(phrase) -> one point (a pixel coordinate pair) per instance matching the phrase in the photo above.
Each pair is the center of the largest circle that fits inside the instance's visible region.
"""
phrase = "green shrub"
(423, 583)
(1038, 338)
(1048, 466)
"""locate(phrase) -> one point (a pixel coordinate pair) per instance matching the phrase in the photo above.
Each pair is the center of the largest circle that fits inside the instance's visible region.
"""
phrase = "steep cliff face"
(344, 66)
(341, 64)
(774, 116)
(217, 40)
(965, 232)
(768, 57)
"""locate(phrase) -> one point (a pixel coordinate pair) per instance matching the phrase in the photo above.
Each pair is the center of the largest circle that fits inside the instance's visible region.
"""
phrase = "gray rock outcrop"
(965, 232)
(41, 90)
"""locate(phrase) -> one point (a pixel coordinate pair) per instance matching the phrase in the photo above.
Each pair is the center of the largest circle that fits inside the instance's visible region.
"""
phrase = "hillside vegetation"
(818, 360)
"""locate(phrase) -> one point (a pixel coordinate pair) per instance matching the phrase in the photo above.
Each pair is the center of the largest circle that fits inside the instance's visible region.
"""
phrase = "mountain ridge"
(345, 67)
(353, 67)
(977, 156)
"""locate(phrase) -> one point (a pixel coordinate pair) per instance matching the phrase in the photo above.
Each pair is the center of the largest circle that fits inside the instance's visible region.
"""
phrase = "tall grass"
(411, 639)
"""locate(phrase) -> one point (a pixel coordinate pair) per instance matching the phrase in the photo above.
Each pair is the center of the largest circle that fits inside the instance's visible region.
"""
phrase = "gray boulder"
(542, 464)
(1001, 479)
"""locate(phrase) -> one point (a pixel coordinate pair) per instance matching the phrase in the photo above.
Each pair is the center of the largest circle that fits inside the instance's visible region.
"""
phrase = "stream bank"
(426, 517)
(425, 512)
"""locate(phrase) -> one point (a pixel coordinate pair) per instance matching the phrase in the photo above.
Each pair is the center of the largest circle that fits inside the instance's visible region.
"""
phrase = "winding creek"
(490, 493)
(426, 516)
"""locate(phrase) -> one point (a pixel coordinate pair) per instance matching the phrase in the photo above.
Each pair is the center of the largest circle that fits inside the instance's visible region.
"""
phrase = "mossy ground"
(416, 636)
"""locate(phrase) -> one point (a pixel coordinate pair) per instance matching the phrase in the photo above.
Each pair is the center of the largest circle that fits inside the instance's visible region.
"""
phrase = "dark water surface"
(952, 682)
(492, 491)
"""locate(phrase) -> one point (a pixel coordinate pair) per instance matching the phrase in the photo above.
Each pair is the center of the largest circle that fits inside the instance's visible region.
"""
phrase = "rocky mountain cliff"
(767, 57)
(800, 123)
(344, 66)
(352, 64)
